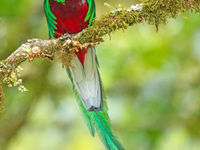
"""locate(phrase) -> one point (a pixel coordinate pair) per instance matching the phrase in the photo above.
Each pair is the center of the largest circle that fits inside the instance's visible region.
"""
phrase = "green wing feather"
(91, 14)
(50, 19)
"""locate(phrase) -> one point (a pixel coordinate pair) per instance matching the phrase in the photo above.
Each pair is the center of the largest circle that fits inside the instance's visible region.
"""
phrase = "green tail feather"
(99, 120)
(104, 129)
(86, 114)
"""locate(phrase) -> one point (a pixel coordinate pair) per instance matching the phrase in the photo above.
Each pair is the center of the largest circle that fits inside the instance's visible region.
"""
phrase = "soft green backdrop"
(152, 82)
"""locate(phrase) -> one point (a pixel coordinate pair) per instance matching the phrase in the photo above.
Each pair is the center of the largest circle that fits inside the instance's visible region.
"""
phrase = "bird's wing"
(91, 14)
(50, 19)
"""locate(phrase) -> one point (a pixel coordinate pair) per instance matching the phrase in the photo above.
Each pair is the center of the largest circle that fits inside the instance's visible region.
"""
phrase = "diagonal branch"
(153, 12)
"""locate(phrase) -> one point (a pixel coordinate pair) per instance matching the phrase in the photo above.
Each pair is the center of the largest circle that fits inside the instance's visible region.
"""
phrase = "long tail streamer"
(98, 120)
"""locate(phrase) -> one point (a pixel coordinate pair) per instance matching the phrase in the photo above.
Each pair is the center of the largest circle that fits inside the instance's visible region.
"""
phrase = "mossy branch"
(153, 12)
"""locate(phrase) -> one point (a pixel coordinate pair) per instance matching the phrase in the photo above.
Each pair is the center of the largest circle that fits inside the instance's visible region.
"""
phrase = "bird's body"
(72, 16)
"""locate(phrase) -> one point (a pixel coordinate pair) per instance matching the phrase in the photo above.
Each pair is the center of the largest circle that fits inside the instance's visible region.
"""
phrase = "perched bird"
(72, 16)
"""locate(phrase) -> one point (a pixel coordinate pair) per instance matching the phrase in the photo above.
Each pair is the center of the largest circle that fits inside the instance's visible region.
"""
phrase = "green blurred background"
(151, 79)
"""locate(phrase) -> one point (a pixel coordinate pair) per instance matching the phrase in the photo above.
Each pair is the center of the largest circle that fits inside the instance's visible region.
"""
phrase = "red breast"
(70, 16)
(70, 19)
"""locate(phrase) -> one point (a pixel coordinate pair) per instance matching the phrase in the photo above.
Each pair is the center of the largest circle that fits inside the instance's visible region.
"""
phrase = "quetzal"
(72, 16)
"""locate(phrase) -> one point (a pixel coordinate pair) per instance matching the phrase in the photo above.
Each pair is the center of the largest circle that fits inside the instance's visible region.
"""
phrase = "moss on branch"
(153, 12)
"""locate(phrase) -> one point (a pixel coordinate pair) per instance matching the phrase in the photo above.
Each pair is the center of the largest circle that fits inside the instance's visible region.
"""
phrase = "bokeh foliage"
(152, 82)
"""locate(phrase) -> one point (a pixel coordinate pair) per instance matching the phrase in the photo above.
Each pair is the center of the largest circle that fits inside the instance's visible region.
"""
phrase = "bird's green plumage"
(91, 14)
(51, 19)
(62, 1)
(103, 127)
